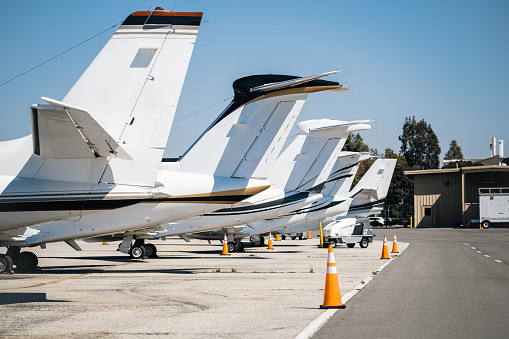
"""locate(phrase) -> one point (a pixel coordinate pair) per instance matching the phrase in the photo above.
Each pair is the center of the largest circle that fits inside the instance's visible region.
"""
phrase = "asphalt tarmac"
(449, 283)
(190, 291)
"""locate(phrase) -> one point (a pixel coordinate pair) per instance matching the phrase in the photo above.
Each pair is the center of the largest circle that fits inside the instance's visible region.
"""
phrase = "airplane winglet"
(290, 83)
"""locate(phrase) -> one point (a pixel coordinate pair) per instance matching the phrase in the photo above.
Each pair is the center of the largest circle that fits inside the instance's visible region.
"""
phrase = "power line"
(217, 103)
(56, 56)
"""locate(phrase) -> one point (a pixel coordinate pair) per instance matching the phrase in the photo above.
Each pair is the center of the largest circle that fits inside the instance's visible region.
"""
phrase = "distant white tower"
(493, 147)
(501, 148)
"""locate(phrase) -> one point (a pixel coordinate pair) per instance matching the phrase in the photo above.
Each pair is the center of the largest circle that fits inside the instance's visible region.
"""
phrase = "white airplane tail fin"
(309, 160)
(343, 173)
(123, 105)
(246, 139)
(375, 183)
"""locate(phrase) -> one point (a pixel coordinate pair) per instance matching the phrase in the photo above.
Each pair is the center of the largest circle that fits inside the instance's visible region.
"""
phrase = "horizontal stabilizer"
(62, 131)
(289, 83)
(341, 124)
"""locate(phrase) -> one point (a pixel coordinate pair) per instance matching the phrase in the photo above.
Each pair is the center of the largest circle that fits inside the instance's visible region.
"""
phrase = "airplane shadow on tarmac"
(86, 269)
(20, 298)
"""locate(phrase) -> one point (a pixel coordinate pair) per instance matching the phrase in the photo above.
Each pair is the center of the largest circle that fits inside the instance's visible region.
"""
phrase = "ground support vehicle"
(349, 231)
(493, 206)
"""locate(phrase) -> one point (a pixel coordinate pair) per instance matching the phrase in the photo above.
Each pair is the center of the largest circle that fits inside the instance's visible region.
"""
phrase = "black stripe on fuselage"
(76, 205)
(367, 205)
(318, 207)
(268, 206)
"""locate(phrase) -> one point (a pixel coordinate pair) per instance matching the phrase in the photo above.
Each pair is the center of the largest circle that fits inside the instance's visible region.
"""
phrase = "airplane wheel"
(5, 264)
(240, 247)
(256, 242)
(137, 252)
(283, 237)
(262, 241)
(151, 250)
(300, 237)
(293, 238)
(231, 247)
(27, 261)
(364, 243)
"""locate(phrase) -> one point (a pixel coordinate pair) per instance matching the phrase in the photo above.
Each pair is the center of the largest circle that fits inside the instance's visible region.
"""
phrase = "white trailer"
(493, 205)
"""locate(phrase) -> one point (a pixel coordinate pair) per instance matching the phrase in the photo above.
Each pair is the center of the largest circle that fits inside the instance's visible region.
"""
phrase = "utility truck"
(349, 231)
(493, 205)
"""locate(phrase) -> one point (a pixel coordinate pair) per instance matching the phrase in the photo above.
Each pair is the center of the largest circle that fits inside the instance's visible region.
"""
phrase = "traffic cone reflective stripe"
(385, 250)
(271, 246)
(395, 245)
(331, 296)
(225, 245)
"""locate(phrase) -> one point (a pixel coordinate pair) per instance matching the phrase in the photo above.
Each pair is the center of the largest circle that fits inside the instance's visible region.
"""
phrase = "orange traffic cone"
(395, 245)
(271, 246)
(331, 295)
(105, 243)
(309, 234)
(385, 250)
(225, 245)
(278, 238)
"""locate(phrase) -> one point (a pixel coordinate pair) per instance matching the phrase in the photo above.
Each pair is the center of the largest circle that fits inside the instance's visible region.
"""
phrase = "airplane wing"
(65, 132)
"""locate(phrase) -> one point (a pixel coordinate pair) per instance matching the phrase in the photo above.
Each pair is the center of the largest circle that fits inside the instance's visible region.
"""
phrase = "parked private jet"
(100, 147)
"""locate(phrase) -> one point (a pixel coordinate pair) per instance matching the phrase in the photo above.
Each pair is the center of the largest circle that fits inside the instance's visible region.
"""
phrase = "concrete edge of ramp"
(316, 324)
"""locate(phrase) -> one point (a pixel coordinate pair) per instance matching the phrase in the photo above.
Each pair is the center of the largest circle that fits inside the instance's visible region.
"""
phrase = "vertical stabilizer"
(343, 173)
(308, 161)
(375, 183)
(246, 139)
(133, 86)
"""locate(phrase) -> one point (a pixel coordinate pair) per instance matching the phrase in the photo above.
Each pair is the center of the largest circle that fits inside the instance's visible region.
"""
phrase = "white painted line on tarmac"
(498, 260)
(319, 321)
(316, 324)
(466, 244)
(479, 252)
(473, 247)
(487, 256)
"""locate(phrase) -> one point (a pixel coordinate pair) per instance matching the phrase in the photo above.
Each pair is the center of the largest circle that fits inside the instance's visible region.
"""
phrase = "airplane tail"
(309, 159)
(119, 113)
(246, 139)
(343, 173)
(374, 184)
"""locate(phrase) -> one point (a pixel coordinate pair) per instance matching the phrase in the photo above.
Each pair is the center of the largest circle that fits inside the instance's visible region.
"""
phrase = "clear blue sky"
(442, 61)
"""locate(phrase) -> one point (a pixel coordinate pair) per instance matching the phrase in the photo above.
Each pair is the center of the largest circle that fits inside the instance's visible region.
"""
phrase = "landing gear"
(151, 250)
(137, 252)
(231, 247)
(24, 261)
(235, 246)
(5, 264)
(257, 241)
(27, 261)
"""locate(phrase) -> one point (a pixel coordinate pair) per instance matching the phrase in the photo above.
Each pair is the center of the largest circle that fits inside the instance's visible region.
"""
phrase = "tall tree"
(419, 144)
(400, 198)
(355, 143)
(454, 151)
